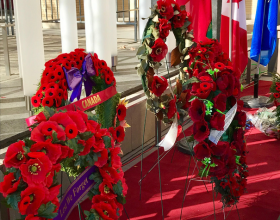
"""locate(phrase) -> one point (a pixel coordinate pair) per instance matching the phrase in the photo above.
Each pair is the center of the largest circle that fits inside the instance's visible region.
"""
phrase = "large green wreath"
(166, 16)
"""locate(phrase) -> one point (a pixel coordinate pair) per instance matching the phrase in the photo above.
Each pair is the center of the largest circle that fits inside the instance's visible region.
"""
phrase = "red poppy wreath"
(72, 141)
(215, 91)
(207, 90)
(166, 16)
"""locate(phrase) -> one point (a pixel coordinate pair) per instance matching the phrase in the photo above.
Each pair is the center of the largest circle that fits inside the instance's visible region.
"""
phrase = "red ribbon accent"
(83, 104)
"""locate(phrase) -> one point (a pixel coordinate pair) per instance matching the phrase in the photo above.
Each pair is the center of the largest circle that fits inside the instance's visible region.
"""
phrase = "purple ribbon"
(75, 78)
(75, 192)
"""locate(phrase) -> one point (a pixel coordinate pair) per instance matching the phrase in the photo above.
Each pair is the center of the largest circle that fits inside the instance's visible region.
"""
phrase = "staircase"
(12, 108)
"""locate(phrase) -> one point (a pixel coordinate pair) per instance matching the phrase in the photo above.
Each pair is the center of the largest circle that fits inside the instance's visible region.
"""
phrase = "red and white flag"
(239, 54)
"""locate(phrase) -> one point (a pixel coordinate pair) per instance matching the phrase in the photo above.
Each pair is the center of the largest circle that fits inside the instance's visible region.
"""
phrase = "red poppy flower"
(159, 85)
(31, 200)
(52, 77)
(108, 78)
(217, 121)
(15, 155)
(63, 56)
(63, 84)
(38, 135)
(105, 211)
(32, 217)
(120, 134)
(202, 150)
(51, 93)
(65, 95)
(276, 95)
(205, 86)
(39, 94)
(220, 170)
(102, 160)
(59, 72)
(47, 101)
(35, 170)
(58, 102)
(165, 8)
(112, 132)
(36, 101)
(87, 145)
(241, 117)
(40, 117)
(220, 149)
(109, 174)
(79, 63)
(224, 184)
(44, 87)
(102, 64)
(46, 72)
(78, 120)
(9, 185)
(197, 91)
(66, 64)
(197, 110)
(62, 118)
(121, 112)
(164, 28)
(200, 130)
(159, 50)
(115, 159)
(226, 84)
(179, 19)
(51, 150)
(65, 152)
(98, 198)
(172, 108)
(52, 85)
(73, 64)
(71, 131)
(106, 189)
(52, 193)
(219, 66)
(238, 135)
(220, 102)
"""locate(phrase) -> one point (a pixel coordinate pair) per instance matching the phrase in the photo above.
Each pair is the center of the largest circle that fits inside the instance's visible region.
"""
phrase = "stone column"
(113, 34)
(30, 43)
(144, 12)
(216, 18)
(97, 28)
(68, 25)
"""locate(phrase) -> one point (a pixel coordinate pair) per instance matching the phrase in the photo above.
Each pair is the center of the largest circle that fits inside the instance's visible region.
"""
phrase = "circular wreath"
(166, 16)
(70, 141)
(206, 90)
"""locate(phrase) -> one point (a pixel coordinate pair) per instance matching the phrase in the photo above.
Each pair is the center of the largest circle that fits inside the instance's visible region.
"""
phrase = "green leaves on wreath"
(13, 199)
(92, 215)
(98, 180)
(46, 211)
(118, 189)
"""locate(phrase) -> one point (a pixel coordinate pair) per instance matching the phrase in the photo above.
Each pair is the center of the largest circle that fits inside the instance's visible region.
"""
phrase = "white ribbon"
(216, 135)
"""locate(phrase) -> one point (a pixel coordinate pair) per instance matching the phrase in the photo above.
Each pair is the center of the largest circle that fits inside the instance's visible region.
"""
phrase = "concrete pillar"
(68, 25)
(171, 44)
(216, 18)
(144, 12)
(30, 43)
(113, 33)
(97, 28)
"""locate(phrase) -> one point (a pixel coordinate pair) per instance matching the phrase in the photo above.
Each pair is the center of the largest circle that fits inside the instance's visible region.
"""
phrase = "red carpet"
(262, 201)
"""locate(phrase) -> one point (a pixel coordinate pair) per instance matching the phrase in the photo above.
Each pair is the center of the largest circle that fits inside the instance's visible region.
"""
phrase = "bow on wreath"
(75, 78)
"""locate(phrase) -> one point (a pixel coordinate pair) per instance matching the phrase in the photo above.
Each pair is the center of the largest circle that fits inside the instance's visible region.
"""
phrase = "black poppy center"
(49, 129)
(71, 131)
(52, 77)
(163, 9)
(200, 111)
(44, 88)
(204, 146)
(35, 101)
(47, 102)
(203, 128)
(59, 73)
(119, 112)
(51, 94)
(118, 133)
(47, 74)
(81, 58)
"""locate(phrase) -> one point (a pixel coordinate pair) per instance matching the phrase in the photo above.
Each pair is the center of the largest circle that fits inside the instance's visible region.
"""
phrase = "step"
(12, 127)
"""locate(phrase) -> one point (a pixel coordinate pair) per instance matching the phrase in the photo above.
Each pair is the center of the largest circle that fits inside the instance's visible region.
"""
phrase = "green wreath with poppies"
(166, 16)
(69, 141)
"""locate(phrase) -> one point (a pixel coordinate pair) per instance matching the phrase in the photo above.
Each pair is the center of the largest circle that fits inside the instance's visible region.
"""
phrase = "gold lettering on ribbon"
(80, 187)
(93, 100)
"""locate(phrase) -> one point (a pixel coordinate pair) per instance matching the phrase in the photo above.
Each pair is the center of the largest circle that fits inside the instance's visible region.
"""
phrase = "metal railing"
(7, 15)
(124, 15)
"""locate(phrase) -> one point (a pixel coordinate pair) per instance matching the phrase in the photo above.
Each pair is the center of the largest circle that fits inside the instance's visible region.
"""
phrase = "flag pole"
(256, 77)
(230, 30)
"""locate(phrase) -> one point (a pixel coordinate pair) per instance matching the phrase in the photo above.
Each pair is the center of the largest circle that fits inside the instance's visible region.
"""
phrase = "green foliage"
(98, 180)
(107, 111)
(118, 190)
(13, 199)
(46, 210)
(92, 215)
(86, 135)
